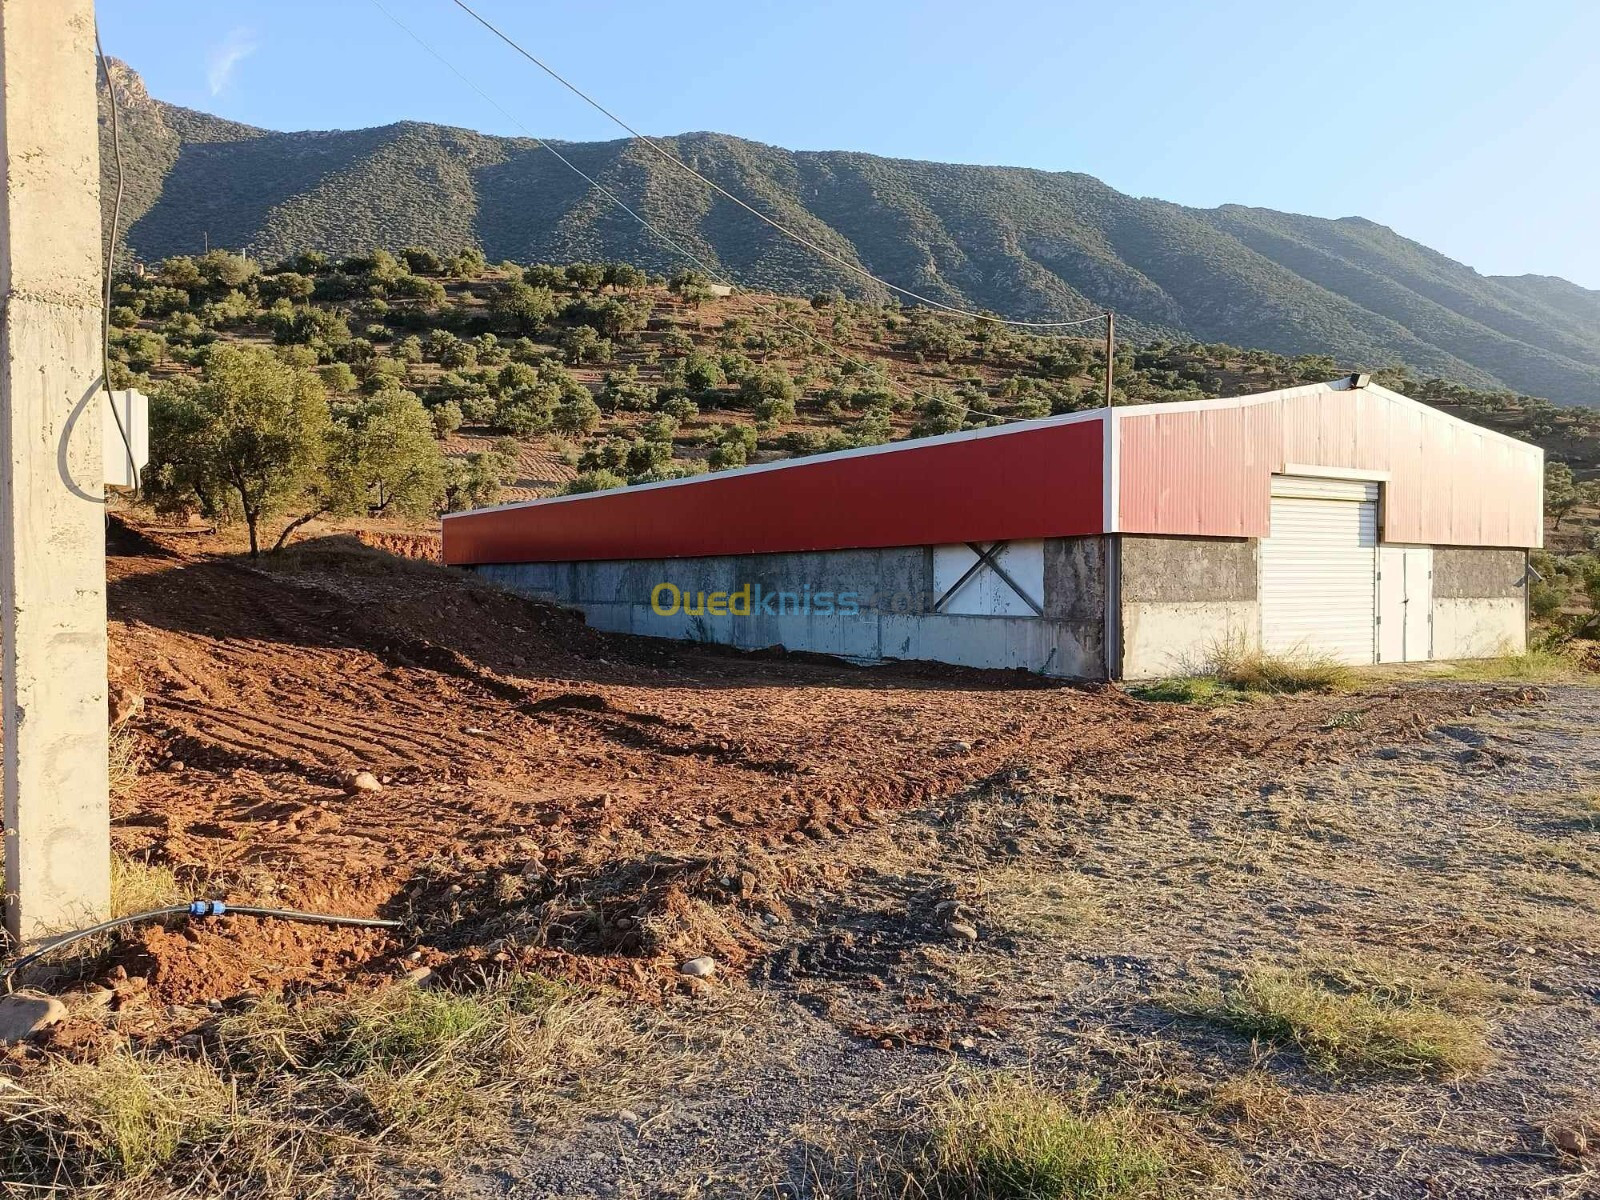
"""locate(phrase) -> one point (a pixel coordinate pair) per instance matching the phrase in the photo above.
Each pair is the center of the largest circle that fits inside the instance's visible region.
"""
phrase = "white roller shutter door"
(1319, 569)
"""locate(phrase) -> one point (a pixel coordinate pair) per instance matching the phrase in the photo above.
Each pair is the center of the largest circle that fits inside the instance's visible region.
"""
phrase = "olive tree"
(250, 438)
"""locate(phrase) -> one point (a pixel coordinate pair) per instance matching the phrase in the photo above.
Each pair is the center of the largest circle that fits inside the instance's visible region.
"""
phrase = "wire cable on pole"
(779, 226)
(711, 272)
(111, 261)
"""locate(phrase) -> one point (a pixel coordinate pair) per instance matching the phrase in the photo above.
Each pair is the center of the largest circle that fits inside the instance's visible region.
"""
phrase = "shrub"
(544, 275)
(623, 275)
(474, 481)
(774, 411)
(768, 383)
(941, 413)
(517, 307)
(576, 414)
(526, 410)
(586, 277)
(422, 261)
(598, 480)
(582, 344)
(446, 418)
(338, 378)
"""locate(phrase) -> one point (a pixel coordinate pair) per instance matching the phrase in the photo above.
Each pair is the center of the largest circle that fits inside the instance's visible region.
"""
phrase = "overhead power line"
(779, 226)
(711, 272)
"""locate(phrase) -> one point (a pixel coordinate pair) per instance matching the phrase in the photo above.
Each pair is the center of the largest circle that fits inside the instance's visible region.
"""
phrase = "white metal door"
(1405, 603)
(1319, 568)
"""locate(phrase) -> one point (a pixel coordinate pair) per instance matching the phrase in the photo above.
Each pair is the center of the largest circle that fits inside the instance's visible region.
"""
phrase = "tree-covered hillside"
(429, 383)
(1027, 243)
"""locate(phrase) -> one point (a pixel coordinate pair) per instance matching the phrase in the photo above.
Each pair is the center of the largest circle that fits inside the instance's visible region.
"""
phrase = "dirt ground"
(601, 809)
(510, 738)
(1470, 851)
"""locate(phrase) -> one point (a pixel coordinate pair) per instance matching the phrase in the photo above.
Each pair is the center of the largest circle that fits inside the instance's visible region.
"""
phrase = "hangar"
(1342, 519)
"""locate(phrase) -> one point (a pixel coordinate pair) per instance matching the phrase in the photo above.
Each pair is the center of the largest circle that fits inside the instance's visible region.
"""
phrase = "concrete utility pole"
(52, 507)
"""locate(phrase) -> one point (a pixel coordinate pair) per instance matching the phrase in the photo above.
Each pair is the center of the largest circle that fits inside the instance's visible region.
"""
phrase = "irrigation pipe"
(195, 908)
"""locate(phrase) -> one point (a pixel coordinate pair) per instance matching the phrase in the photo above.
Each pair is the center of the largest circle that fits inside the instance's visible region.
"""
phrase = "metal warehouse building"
(1119, 543)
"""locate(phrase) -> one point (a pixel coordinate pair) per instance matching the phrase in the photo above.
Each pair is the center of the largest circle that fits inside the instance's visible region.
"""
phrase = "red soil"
(511, 737)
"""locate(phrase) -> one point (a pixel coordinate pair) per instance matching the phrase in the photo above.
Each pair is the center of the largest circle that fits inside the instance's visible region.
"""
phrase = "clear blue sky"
(1468, 125)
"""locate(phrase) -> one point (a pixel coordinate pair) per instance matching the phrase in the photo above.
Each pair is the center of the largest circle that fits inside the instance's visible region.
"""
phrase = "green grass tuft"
(1202, 691)
(1011, 1140)
(1348, 1022)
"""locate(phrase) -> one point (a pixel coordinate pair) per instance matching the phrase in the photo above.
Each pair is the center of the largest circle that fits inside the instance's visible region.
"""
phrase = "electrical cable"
(662, 235)
(710, 272)
(781, 228)
(195, 908)
(111, 260)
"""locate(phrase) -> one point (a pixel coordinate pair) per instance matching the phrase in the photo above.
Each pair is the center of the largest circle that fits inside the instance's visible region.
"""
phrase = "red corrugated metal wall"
(1204, 470)
(1041, 481)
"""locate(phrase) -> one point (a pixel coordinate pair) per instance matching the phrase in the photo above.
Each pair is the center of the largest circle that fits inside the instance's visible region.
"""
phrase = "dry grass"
(122, 760)
(1247, 669)
(1038, 903)
(1536, 665)
(140, 886)
(1354, 1019)
(1585, 809)
(1235, 670)
(290, 1098)
(124, 1122)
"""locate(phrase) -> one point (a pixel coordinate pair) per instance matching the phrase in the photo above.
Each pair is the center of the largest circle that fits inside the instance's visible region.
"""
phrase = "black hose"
(290, 914)
(195, 908)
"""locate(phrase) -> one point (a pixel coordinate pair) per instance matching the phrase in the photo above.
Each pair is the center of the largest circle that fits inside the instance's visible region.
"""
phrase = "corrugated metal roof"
(1199, 468)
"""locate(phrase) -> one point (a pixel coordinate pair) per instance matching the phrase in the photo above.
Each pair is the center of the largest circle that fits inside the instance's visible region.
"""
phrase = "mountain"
(1026, 243)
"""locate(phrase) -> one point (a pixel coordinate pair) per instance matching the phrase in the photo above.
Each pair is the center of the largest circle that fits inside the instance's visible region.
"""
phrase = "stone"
(699, 968)
(123, 702)
(422, 977)
(25, 1013)
(363, 781)
(1576, 1140)
(175, 765)
(961, 931)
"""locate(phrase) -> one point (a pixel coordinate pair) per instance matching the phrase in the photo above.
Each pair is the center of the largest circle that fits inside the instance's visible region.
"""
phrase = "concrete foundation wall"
(1463, 572)
(1182, 597)
(1479, 602)
(1481, 628)
(890, 589)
